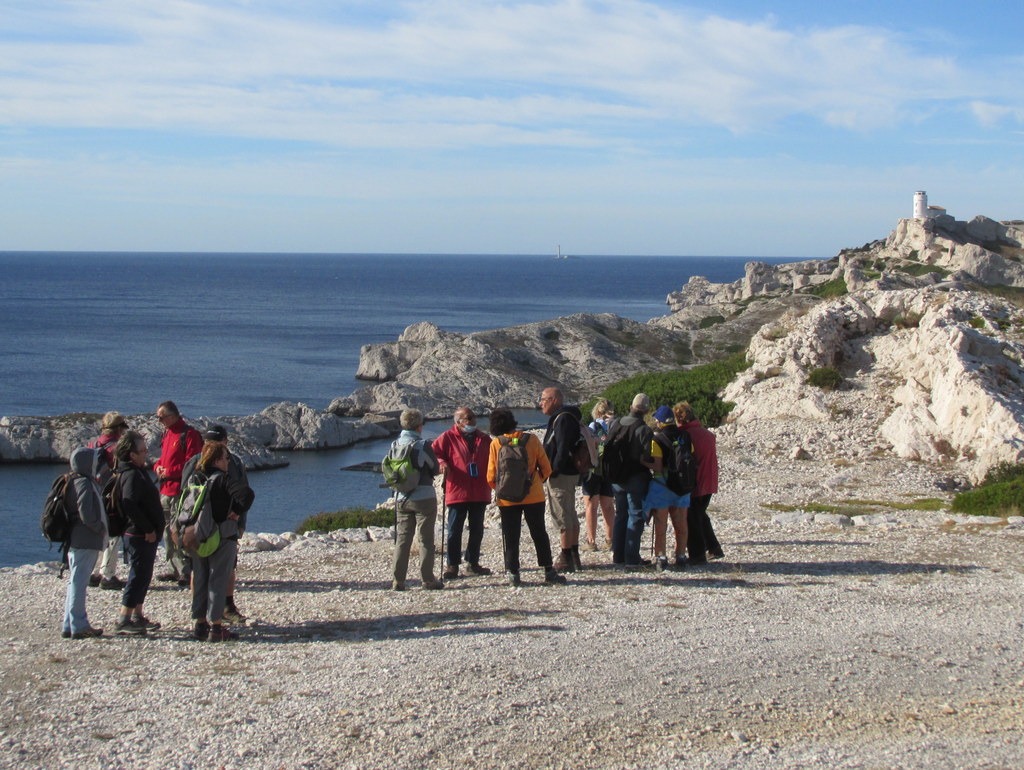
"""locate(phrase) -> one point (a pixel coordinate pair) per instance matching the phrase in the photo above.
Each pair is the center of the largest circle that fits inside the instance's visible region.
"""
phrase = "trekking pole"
(394, 504)
(444, 517)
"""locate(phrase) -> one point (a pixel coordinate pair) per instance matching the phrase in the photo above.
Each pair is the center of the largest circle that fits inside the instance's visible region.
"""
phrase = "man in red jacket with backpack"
(180, 442)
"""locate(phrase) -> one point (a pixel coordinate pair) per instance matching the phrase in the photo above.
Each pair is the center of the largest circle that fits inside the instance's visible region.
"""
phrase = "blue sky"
(620, 127)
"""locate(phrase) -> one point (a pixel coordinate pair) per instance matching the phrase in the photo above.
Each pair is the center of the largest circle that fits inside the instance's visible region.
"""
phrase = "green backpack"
(194, 528)
(398, 470)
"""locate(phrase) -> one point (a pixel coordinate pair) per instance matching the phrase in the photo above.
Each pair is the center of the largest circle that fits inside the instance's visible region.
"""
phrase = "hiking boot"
(65, 634)
(513, 579)
(451, 572)
(112, 584)
(184, 582)
(146, 623)
(89, 633)
(682, 562)
(231, 613)
(589, 546)
(662, 564)
(574, 553)
(564, 562)
(432, 585)
(476, 569)
(94, 580)
(397, 585)
(220, 634)
(716, 555)
(127, 626)
(201, 631)
(168, 577)
(551, 576)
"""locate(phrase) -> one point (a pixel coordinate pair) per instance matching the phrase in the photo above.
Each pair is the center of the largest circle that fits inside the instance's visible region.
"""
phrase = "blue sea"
(229, 334)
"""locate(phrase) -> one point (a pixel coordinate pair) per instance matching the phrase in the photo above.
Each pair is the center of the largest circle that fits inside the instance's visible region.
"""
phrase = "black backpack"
(680, 463)
(117, 522)
(619, 459)
(58, 517)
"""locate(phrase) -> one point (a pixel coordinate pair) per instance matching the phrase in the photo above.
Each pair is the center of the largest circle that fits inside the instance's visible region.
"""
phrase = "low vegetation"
(1001, 493)
(854, 506)
(349, 518)
(830, 289)
(699, 385)
(824, 377)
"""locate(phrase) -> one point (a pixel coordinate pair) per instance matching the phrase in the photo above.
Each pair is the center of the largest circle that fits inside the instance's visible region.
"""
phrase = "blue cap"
(664, 414)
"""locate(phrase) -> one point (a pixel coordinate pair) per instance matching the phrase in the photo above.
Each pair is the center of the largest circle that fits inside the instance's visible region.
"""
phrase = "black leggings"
(512, 526)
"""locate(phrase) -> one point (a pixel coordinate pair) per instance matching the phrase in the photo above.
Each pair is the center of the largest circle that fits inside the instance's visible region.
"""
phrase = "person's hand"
(151, 537)
(233, 516)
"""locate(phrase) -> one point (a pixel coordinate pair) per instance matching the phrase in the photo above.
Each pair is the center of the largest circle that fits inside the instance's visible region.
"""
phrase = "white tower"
(920, 205)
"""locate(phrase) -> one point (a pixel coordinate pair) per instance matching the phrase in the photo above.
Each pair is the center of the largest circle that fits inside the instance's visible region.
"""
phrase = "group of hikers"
(198, 504)
(631, 478)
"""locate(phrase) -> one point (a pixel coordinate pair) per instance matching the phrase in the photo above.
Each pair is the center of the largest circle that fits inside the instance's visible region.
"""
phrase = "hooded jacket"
(89, 530)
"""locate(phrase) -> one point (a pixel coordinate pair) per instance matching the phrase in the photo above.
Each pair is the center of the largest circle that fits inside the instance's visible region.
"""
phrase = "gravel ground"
(895, 643)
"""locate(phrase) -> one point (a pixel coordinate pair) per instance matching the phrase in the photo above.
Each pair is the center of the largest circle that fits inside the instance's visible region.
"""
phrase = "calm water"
(232, 333)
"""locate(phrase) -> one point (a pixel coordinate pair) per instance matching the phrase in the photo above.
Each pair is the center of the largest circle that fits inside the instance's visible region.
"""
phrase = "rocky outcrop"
(436, 370)
(938, 372)
(255, 438)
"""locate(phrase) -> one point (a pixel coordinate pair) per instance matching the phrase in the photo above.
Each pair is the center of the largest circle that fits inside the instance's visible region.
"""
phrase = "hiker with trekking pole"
(409, 469)
(463, 451)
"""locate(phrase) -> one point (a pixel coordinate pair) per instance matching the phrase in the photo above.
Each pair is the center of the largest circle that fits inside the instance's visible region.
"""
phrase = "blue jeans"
(82, 561)
(457, 515)
(628, 530)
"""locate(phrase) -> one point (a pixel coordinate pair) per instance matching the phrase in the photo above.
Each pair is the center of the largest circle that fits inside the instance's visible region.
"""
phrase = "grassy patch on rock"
(699, 385)
(1001, 493)
(349, 518)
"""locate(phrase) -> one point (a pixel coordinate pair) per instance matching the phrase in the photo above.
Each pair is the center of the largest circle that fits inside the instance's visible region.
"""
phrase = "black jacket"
(140, 501)
(561, 437)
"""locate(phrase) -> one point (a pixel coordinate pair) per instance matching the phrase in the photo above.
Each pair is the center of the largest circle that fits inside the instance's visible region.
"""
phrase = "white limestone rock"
(947, 382)
(435, 371)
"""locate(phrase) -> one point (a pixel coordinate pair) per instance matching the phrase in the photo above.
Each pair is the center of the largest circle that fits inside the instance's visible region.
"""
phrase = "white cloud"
(444, 73)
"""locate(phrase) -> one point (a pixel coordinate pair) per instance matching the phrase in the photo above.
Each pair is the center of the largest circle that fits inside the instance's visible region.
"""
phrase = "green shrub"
(1004, 498)
(1005, 471)
(977, 322)
(699, 386)
(350, 518)
(708, 321)
(921, 269)
(830, 289)
(824, 377)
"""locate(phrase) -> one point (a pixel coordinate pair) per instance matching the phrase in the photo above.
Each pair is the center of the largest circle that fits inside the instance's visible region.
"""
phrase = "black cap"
(216, 433)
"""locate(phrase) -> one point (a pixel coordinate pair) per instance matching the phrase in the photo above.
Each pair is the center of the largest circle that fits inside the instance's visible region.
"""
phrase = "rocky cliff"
(436, 370)
(255, 438)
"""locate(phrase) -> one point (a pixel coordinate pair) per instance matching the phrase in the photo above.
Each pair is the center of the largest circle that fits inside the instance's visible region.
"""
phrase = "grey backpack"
(512, 478)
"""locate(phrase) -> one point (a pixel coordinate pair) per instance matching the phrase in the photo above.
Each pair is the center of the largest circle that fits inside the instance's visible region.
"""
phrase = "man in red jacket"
(180, 442)
(463, 452)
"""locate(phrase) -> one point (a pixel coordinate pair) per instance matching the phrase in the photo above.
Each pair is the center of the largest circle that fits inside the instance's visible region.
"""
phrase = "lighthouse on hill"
(921, 208)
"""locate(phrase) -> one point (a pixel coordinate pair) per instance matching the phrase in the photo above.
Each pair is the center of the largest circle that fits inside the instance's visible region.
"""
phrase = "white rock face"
(434, 370)
(941, 369)
(282, 426)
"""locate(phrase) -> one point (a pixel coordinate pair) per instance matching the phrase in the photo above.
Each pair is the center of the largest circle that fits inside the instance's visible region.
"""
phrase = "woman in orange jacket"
(516, 470)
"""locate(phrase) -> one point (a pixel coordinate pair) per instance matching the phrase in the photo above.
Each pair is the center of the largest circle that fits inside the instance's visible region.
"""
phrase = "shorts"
(594, 484)
(660, 496)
